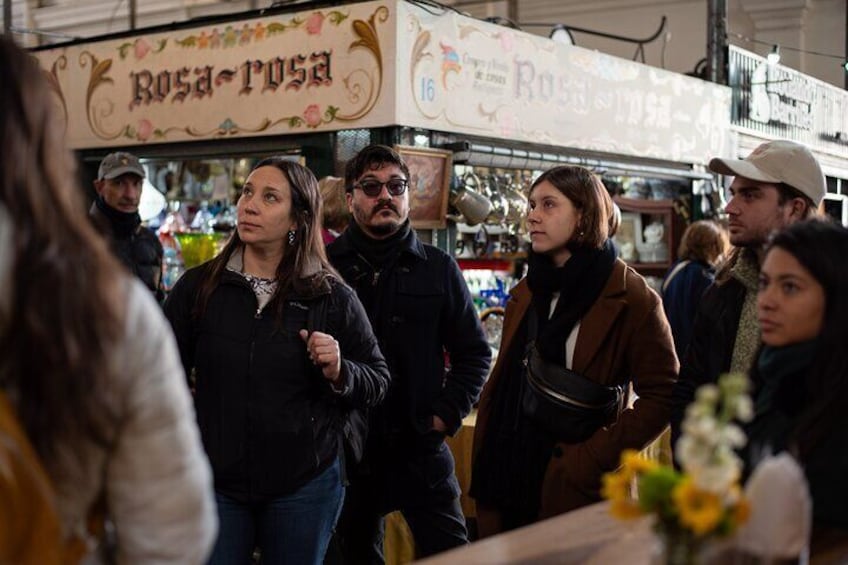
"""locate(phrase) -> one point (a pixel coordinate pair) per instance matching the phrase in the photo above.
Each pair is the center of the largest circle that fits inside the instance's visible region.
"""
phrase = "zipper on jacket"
(375, 276)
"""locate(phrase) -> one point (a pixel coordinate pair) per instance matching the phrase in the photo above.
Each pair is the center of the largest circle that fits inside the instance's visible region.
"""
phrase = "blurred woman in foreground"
(88, 360)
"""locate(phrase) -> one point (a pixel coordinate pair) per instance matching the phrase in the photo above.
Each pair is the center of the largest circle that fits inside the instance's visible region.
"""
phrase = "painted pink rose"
(142, 48)
(314, 23)
(312, 115)
(145, 130)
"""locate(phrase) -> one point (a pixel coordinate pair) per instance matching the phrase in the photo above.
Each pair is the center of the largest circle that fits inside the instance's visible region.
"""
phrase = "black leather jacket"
(269, 420)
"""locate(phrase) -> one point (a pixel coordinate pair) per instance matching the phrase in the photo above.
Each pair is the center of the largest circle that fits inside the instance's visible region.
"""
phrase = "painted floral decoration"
(312, 115)
(704, 499)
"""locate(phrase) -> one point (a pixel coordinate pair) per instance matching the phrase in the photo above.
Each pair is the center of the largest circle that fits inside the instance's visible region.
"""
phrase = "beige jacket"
(157, 480)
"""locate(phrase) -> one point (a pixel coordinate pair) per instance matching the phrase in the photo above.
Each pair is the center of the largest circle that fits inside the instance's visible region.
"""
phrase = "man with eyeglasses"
(427, 327)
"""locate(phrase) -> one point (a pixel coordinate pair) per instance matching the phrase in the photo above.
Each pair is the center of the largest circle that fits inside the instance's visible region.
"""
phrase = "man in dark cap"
(115, 214)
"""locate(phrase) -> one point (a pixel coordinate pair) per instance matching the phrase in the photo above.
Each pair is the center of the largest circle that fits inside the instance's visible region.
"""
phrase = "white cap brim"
(740, 168)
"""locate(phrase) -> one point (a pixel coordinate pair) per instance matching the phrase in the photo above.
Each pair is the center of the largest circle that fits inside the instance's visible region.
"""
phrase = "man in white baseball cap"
(780, 182)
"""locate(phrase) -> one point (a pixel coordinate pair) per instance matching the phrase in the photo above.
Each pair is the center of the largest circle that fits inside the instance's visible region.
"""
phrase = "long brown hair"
(304, 269)
(65, 308)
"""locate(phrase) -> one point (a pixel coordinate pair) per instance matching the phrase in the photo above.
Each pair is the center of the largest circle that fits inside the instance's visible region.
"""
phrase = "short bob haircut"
(598, 220)
(704, 241)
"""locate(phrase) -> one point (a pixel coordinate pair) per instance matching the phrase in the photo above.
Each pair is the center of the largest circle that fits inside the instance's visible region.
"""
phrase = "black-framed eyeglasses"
(373, 187)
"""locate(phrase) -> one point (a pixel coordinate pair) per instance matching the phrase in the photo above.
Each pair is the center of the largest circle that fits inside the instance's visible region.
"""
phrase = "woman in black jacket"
(273, 383)
(801, 374)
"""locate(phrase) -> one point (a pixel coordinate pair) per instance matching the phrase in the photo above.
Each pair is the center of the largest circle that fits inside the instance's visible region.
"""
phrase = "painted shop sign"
(378, 64)
(464, 75)
(317, 70)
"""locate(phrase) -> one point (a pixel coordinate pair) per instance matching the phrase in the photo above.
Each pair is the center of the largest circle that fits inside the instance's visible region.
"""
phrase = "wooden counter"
(588, 536)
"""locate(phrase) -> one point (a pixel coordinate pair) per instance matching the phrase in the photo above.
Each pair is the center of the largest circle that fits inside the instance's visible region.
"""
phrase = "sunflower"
(698, 509)
(633, 463)
(616, 488)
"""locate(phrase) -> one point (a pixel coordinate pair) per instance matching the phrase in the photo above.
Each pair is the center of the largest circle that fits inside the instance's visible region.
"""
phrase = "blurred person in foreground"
(115, 214)
(423, 315)
(800, 375)
(584, 316)
(779, 183)
(89, 362)
(271, 397)
(703, 245)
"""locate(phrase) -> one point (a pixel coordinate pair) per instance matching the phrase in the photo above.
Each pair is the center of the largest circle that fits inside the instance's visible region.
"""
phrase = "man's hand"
(324, 352)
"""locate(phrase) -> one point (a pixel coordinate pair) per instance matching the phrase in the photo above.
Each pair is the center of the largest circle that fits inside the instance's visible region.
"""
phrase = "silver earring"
(291, 237)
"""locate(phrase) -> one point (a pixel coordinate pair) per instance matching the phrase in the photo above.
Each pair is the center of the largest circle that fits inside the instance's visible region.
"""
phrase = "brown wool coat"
(623, 337)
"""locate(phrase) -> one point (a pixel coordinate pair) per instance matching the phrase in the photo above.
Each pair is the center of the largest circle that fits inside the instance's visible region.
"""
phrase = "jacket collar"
(410, 246)
(233, 273)
(602, 315)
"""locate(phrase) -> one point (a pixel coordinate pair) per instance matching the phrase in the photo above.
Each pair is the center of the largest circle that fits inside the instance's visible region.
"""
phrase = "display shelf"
(639, 213)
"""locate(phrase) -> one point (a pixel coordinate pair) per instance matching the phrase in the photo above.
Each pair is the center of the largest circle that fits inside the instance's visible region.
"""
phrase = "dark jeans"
(290, 530)
(431, 509)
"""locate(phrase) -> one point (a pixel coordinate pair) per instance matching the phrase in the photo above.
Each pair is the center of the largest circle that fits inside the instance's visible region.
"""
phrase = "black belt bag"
(565, 403)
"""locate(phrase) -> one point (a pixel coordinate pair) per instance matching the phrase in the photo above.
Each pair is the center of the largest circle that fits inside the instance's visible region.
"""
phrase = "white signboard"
(463, 75)
(379, 64)
(309, 71)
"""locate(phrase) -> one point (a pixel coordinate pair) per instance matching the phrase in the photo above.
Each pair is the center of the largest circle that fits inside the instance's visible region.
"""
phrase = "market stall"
(467, 99)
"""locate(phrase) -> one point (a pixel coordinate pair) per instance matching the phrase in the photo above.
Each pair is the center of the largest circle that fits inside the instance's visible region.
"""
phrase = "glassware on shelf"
(225, 220)
(172, 224)
(198, 247)
(172, 268)
(203, 219)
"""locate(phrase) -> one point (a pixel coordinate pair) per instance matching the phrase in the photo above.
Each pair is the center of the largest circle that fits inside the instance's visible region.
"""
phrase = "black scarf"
(579, 283)
(780, 397)
(780, 377)
(123, 224)
(514, 453)
(378, 252)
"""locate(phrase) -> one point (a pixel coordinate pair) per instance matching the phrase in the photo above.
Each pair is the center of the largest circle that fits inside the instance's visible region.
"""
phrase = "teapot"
(473, 207)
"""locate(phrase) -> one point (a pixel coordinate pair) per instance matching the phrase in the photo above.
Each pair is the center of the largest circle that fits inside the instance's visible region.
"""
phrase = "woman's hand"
(324, 352)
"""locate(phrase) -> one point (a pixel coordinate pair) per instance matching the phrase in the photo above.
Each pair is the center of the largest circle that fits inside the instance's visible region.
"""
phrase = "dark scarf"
(378, 252)
(514, 453)
(579, 283)
(780, 375)
(123, 224)
(780, 397)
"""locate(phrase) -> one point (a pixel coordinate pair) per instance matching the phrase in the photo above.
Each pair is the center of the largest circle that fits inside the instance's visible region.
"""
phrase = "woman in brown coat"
(583, 309)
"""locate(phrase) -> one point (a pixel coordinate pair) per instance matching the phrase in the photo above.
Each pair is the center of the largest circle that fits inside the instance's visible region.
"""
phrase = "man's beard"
(379, 229)
(384, 229)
